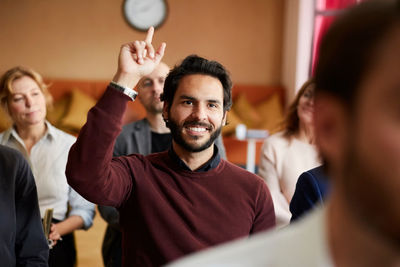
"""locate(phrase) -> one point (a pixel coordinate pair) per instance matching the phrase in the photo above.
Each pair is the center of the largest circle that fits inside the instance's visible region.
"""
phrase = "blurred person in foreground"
(146, 136)
(357, 123)
(25, 97)
(22, 241)
(288, 153)
(178, 201)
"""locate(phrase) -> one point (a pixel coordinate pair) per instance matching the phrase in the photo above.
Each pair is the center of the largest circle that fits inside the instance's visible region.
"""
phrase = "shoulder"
(276, 140)
(314, 178)
(129, 129)
(240, 175)
(8, 154)
(13, 165)
(4, 136)
(275, 145)
(135, 126)
(160, 159)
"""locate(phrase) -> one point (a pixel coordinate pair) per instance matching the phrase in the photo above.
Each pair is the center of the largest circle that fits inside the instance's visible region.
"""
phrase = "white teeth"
(197, 129)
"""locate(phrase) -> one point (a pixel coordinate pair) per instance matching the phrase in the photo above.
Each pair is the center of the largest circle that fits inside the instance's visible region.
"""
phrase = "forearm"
(90, 169)
(69, 225)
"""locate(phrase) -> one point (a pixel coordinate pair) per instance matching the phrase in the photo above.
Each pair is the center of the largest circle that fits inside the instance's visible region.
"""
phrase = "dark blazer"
(134, 138)
(22, 241)
(311, 190)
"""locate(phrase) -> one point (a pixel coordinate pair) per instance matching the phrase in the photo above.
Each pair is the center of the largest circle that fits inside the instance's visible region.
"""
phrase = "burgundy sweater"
(165, 212)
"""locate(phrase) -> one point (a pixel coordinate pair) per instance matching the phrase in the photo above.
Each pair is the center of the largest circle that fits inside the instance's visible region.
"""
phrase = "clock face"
(142, 14)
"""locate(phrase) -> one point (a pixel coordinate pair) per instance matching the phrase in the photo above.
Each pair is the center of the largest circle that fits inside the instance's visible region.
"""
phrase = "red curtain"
(325, 13)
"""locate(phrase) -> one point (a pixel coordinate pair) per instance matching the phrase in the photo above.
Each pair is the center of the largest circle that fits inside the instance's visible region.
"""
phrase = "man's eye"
(147, 84)
(188, 102)
(211, 105)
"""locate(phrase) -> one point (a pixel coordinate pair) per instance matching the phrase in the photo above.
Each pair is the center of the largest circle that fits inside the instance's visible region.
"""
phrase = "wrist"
(126, 79)
(125, 90)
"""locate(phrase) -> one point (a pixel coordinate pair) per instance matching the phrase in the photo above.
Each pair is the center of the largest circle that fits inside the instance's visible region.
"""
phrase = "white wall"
(297, 43)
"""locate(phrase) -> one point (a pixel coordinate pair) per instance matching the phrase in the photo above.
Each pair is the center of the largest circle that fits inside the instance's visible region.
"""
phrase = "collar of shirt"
(12, 133)
(209, 165)
(50, 132)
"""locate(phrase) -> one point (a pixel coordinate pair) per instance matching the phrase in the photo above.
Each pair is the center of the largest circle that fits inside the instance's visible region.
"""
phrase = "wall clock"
(142, 14)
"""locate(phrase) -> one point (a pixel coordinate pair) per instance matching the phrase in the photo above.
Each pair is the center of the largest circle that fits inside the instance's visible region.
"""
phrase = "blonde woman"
(288, 153)
(25, 98)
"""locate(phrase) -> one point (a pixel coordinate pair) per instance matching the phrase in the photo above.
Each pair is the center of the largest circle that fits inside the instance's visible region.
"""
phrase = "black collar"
(209, 165)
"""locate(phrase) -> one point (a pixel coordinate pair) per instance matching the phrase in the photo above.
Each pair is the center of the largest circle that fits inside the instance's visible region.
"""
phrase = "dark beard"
(176, 132)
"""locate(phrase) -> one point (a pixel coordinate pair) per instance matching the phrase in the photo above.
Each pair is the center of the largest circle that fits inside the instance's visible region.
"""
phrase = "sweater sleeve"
(91, 169)
(265, 215)
(310, 191)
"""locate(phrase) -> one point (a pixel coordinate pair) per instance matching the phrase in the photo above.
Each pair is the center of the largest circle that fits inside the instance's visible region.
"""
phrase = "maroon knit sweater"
(165, 212)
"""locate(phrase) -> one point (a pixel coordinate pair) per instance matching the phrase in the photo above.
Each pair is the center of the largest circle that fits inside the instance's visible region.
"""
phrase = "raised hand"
(137, 59)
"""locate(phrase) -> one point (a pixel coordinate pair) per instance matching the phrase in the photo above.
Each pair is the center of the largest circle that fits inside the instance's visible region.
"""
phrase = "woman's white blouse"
(281, 163)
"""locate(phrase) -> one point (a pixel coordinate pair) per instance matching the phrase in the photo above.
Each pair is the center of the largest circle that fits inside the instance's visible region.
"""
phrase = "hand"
(54, 234)
(137, 59)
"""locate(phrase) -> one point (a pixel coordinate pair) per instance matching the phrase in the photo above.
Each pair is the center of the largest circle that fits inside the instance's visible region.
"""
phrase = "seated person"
(357, 127)
(22, 241)
(286, 154)
(311, 189)
(25, 98)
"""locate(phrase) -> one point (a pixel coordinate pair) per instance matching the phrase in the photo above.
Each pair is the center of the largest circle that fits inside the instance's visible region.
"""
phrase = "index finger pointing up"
(149, 36)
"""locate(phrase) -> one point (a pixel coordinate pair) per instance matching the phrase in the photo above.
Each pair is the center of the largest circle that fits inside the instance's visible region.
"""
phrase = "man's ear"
(224, 118)
(331, 124)
(165, 111)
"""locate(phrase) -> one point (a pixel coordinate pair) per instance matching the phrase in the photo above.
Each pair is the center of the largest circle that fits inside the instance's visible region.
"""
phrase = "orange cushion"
(246, 112)
(79, 105)
(271, 111)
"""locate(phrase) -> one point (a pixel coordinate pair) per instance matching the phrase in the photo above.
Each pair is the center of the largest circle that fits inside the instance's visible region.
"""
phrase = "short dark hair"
(348, 48)
(194, 64)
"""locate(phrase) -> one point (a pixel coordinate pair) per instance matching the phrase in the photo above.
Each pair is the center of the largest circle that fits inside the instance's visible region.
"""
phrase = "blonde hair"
(16, 73)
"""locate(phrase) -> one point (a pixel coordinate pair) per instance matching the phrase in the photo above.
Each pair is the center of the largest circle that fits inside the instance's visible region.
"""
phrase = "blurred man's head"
(150, 88)
(357, 112)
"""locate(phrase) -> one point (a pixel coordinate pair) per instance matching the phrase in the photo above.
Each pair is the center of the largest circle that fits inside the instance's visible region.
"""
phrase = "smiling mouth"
(197, 128)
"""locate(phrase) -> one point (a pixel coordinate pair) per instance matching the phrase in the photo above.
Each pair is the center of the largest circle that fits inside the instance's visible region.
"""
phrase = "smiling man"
(182, 200)
(149, 135)
(357, 123)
